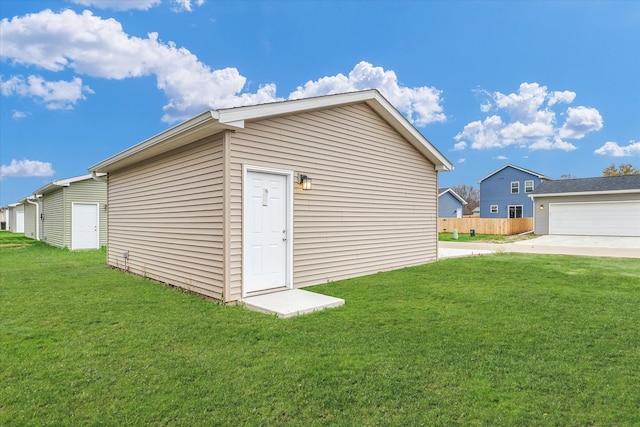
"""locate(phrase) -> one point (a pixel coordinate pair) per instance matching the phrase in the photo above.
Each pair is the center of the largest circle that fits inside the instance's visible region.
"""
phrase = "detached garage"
(73, 213)
(250, 200)
(603, 206)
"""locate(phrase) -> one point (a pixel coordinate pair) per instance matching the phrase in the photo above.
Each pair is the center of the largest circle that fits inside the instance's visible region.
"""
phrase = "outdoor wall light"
(305, 181)
(541, 207)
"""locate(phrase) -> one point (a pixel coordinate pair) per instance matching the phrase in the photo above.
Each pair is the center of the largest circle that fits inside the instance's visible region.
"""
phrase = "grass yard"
(501, 340)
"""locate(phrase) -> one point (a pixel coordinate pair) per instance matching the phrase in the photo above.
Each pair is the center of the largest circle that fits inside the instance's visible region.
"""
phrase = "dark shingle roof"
(585, 185)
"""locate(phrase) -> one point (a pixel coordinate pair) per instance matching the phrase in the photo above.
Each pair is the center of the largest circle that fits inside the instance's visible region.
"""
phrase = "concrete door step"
(290, 303)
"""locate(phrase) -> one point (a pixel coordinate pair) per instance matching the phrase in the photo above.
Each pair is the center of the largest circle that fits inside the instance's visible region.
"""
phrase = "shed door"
(19, 222)
(613, 218)
(84, 226)
(266, 234)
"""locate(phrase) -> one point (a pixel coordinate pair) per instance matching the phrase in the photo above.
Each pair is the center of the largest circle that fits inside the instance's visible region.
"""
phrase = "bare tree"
(470, 194)
(621, 169)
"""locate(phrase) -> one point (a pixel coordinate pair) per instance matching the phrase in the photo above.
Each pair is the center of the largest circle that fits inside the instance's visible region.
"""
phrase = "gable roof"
(441, 191)
(598, 185)
(63, 183)
(214, 121)
(530, 172)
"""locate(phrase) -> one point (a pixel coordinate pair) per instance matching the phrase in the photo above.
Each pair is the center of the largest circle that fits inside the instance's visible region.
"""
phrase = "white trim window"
(528, 186)
(515, 187)
(493, 209)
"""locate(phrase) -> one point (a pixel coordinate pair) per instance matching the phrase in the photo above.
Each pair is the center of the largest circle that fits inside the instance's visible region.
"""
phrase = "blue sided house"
(504, 193)
(450, 204)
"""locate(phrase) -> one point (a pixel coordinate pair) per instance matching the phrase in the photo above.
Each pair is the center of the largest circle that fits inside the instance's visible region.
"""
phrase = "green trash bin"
(473, 232)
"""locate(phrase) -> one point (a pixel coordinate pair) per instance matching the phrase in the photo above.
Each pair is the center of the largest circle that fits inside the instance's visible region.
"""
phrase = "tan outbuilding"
(243, 201)
(71, 213)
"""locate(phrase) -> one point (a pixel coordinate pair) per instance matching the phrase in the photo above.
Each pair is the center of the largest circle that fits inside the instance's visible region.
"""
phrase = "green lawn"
(500, 340)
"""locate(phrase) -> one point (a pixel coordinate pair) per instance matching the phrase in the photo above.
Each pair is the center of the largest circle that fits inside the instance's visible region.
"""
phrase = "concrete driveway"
(600, 246)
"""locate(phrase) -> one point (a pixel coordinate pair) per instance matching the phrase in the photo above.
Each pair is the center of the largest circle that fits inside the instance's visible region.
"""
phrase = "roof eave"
(62, 183)
(530, 172)
(407, 130)
(198, 127)
(454, 194)
(214, 121)
(583, 193)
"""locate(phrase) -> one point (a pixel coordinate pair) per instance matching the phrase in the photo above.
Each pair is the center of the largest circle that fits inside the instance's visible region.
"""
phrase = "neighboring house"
(217, 205)
(15, 217)
(450, 204)
(602, 206)
(504, 193)
(72, 213)
(476, 211)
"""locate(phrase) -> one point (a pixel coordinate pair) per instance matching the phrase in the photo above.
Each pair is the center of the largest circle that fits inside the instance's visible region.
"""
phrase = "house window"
(515, 187)
(528, 186)
(493, 209)
(515, 211)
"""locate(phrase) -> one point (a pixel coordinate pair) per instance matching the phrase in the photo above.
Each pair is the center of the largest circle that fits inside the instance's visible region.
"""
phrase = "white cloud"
(60, 95)
(524, 105)
(565, 96)
(525, 119)
(26, 168)
(421, 105)
(17, 115)
(462, 160)
(483, 134)
(182, 5)
(90, 45)
(579, 122)
(611, 148)
(120, 4)
(501, 157)
(459, 146)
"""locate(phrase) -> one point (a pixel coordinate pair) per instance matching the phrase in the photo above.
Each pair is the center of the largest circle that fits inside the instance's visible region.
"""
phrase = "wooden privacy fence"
(506, 226)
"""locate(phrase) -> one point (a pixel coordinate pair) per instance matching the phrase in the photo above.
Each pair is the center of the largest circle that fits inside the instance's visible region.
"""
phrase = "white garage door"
(595, 219)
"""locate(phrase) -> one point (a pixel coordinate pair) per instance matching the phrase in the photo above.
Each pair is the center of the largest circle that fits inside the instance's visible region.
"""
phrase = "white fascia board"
(454, 194)
(64, 183)
(406, 129)
(198, 127)
(280, 108)
(586, 193)
(371, 97)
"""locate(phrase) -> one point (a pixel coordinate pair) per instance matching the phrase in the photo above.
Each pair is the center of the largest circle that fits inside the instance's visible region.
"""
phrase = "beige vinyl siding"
(87, 191)
(374, 197)
(53, 231)
(167, 214)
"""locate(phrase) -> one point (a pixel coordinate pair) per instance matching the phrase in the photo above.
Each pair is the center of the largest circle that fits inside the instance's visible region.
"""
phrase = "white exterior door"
(614, 218)
(19, 222)
(84, 226)
(266, 231)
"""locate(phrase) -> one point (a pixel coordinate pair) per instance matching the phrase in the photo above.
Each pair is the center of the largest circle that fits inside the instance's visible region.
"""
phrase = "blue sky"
(549, 86)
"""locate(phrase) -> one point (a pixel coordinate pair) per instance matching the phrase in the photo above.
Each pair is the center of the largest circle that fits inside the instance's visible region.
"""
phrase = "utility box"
(472, 232)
